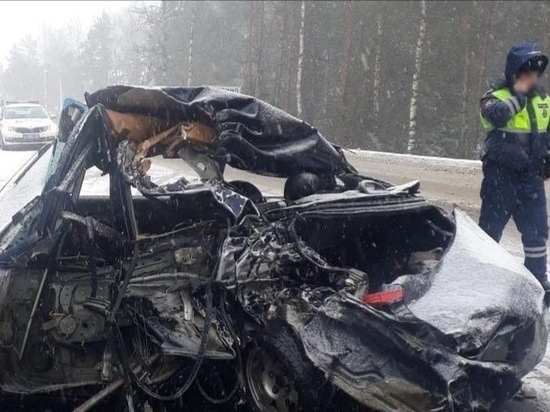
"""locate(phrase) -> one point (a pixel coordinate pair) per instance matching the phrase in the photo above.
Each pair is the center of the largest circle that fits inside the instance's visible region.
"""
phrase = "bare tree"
(164, 44)
(255, 51)
(249, 71)
(545, 21)
(151, 27)
(288, 93)
(259, 19)
(291, 58)
(299, 107)
(466, 68)
(282, 47)
(24, 75)
(345, 61)
(191, 40)
(376, 81)
(411, 144)
(487, 24)
(97, 54)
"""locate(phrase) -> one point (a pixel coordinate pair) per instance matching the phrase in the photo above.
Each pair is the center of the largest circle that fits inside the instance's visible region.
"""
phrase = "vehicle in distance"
(25, 125)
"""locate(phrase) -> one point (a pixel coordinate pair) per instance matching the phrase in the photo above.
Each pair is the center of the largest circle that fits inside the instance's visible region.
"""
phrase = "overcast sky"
(18, 18)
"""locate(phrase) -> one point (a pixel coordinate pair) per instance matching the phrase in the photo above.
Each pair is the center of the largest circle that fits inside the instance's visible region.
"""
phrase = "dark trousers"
(506, 193)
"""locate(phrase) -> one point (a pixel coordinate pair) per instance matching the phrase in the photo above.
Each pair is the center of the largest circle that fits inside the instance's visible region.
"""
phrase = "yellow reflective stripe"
(515, 102)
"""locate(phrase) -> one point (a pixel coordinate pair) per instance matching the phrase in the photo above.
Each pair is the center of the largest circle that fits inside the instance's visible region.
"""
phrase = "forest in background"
(398, 76)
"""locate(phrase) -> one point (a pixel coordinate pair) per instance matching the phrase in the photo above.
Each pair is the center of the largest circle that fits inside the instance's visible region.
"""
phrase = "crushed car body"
(345, 282)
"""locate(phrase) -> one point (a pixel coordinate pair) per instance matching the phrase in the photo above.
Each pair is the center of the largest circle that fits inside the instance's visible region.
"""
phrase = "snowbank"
(410, 157)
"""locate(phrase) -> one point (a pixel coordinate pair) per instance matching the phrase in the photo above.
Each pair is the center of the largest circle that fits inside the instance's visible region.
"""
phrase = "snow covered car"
(344, 288)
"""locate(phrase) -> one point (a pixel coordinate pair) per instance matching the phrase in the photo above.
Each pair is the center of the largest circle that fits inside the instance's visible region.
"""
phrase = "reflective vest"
(522, 144)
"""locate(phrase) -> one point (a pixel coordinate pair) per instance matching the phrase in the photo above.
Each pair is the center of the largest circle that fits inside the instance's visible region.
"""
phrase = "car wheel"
(279, 377)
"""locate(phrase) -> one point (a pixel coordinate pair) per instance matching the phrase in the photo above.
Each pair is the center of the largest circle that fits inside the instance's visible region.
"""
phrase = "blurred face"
(528, 79)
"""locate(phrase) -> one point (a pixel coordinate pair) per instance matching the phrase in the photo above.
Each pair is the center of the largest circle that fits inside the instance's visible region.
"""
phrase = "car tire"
(279, 377)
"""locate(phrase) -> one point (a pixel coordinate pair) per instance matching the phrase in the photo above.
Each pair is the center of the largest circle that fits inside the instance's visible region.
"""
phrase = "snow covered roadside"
(443, 162)
(435, 173)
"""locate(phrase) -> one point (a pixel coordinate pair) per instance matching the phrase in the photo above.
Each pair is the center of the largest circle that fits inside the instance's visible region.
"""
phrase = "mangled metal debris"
(346, 281)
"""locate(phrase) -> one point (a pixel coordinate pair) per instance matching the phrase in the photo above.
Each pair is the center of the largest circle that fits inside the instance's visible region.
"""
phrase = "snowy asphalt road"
(11, 162)
(445, 181)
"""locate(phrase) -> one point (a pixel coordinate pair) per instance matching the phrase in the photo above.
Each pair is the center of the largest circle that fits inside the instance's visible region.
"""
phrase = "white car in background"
(25, 126)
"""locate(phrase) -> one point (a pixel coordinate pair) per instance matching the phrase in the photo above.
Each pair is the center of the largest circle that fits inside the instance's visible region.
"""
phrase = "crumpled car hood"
(250, 134)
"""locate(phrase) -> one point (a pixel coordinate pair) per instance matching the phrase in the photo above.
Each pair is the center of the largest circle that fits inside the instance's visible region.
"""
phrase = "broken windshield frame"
(42, 214)
(48, 184)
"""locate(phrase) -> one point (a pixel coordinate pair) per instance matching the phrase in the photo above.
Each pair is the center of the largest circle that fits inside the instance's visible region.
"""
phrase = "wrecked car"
(344, 287)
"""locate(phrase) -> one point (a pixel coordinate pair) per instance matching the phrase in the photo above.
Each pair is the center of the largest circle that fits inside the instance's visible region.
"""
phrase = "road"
(445, 181)
(11, 162)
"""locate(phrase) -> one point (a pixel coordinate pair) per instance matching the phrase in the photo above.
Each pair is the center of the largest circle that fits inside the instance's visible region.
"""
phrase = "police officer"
(515, 115)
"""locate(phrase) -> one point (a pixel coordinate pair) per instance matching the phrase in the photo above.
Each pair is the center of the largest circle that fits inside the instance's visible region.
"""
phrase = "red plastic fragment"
(385, 297)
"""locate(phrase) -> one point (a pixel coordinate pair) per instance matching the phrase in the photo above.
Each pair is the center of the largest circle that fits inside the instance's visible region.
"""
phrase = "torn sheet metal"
(250, 134)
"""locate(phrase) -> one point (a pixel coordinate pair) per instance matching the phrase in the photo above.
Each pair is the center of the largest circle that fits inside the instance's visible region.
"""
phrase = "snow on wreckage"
(346, 282)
